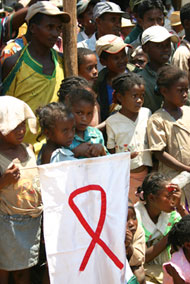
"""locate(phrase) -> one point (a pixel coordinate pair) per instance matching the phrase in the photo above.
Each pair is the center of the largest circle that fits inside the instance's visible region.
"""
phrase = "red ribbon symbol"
(95, 235)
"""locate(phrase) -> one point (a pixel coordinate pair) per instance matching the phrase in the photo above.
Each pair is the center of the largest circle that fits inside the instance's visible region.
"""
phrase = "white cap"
(157, 34)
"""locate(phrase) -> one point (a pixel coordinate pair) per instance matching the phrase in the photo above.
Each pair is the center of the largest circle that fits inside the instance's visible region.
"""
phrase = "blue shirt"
(91, 135)
(62, 154)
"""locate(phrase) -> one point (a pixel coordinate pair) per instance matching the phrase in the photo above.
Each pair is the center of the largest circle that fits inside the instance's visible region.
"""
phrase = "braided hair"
(125, 82)
(50, 114)
(180, 233)
(153, 183)
(70, 83)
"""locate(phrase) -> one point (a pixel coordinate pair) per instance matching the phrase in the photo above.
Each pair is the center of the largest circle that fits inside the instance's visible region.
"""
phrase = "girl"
(126, 129)
(20, 198)
(58, 125)
(160, 210)
(176, 271)
(135, 244)
(88, 141)
(169, 127)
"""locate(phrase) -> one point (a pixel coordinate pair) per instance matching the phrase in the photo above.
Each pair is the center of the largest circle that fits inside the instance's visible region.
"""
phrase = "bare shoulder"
(9, 63)
(47, 151)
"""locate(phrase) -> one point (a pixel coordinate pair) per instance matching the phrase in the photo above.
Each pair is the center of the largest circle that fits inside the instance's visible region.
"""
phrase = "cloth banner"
(85, 209)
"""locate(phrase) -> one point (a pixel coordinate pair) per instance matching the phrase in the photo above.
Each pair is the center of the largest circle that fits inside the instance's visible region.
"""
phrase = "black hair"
(124, 82)
(70, 83)
(167, 76)
(104, 55)
(81, 53)
(152, 183)
(180, 233)
(185, 13)
(77, 95)
(147, 5)
(36, 19)
(50, 114)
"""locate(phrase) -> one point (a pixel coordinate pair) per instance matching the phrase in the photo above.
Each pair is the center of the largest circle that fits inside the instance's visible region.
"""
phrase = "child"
(182, 54)
(87, 65)
(126, 129)
(112, 54)
(157, 214)
(156, 42)
(58, 125)
(135, 244)
(73, 82)
(169, 127)
(176, 271)
(88, 141)
(20, 198)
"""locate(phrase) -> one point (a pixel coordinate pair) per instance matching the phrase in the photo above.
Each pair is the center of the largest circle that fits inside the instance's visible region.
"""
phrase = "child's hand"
(83, 150)
(128, 238)
(175, 191)
(97, 150)
(10, 176)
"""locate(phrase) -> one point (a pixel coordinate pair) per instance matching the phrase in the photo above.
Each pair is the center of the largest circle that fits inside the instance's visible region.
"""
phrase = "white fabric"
(127, 135)
(66, 239)
(14, 111)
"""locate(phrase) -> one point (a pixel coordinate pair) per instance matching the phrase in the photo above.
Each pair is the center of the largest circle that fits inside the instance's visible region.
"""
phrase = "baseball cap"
(47, 8)
(83, 4)
(157, 34)
(126, 23)
(175, 19)
(109, 43)
(108, 7)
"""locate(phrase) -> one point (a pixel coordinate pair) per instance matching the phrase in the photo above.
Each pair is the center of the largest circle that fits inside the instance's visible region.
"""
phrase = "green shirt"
(136, 31)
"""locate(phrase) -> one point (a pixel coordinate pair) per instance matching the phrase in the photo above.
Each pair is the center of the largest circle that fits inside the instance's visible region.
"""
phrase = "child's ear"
(187, 245)
(118, 97)
(103, 61)
(163, 91)
(47, 133)
(186, 24)
(151, 197)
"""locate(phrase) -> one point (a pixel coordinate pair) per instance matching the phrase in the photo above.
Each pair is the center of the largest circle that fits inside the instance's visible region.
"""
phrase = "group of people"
(132, 94)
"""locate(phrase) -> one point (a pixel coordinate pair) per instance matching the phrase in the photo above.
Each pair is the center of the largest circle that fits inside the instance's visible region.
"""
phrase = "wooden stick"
(70, 40)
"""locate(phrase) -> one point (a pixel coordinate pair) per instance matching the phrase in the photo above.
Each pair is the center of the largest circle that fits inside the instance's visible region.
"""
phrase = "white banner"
(85, 209)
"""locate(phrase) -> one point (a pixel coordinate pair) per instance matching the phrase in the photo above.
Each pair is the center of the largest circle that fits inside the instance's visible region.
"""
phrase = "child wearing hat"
(156, 42)
(111, 50)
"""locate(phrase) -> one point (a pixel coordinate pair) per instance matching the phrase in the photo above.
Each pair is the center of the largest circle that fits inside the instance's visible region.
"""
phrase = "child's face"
(116, 63)
(152, 17)
(176, 95)
(86, 20)
(83, 113)
(158, 52)
(132, 220)
(162, 201)
(133, 99)
(16, 136)
(88, 69)
(63, 132)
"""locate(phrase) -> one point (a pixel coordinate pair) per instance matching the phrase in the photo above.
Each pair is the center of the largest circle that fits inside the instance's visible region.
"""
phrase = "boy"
(87, 65)
(34, 74)
(181, 57)
(112, 54)
(156, 42)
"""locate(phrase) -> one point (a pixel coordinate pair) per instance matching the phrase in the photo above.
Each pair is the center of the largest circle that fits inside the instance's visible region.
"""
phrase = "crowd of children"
(129, 96)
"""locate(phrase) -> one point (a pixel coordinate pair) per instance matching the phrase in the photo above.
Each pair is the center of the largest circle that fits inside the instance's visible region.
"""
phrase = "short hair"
(50, 114)
(124, 82)
(168, 75)
(36, 19)
(70, 83)
(147, 5)
(185, 13)
(81, 53)
(179, 233)
(77, 95)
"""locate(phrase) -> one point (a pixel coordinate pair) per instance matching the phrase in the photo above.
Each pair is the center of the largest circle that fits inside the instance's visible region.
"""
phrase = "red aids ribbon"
(95, 235)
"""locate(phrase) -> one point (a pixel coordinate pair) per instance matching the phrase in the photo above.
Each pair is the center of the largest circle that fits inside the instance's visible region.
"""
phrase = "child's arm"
(97, 150)
(170, 161)
(10, 176)
(156, 249)
(128, 243)
(46, 154)
(173, 273)
(82, 150)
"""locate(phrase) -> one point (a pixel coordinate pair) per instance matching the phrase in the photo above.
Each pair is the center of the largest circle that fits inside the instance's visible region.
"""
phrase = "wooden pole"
(70, 39)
